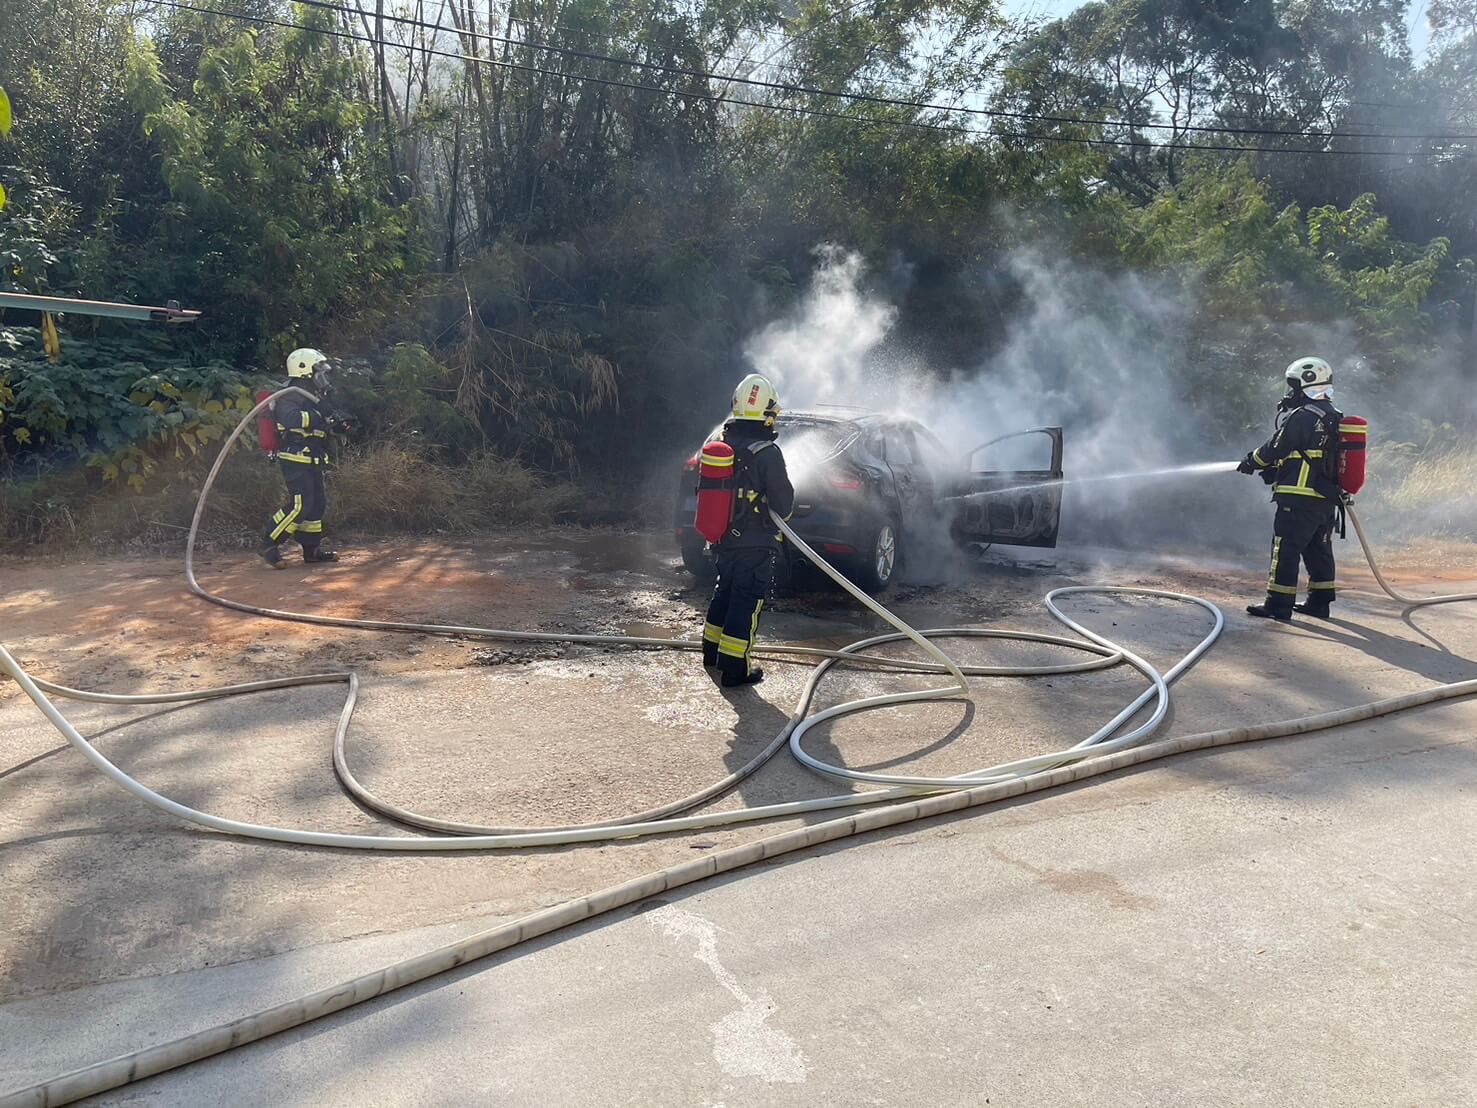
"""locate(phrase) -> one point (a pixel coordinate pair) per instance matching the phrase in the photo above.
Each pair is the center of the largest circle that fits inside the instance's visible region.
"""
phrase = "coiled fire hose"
(1105, 751)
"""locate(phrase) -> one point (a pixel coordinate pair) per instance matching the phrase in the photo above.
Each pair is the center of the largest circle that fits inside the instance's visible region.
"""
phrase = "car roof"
(837, 415)
(826, 413)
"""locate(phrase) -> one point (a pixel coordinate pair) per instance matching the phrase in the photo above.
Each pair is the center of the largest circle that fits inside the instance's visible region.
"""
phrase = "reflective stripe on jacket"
(1304, 454)
(302, 430)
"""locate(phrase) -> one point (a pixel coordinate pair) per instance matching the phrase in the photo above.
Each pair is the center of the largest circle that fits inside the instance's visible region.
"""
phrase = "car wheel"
(879, 564)
(696, 558)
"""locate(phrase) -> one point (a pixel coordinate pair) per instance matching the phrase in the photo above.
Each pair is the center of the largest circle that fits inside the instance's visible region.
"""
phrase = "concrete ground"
(1283, 924)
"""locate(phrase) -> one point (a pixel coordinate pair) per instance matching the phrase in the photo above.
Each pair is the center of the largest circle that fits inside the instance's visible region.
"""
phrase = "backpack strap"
(1325, 477)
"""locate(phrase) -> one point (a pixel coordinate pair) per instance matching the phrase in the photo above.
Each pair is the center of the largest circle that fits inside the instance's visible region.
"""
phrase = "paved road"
(1286, 924)
(1290, 925)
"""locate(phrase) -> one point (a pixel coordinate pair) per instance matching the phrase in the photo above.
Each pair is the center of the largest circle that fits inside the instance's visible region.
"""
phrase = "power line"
(1352, 129)
(991, 70)
(916, 124)
(746, 59)
(888, 101)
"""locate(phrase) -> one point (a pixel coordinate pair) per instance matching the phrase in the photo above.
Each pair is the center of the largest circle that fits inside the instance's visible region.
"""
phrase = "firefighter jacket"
(302, 430)
(762, 483)
(1302, 456)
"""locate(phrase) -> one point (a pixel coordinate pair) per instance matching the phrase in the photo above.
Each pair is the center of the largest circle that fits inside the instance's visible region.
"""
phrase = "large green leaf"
(4, 113)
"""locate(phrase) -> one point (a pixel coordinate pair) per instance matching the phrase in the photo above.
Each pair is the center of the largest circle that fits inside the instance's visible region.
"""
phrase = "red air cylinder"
(1353, 435)
(266, 425)
(714, 491)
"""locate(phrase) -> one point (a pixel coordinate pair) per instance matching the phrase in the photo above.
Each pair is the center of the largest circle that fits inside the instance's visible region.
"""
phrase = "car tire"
(696, 558)
(878, 567)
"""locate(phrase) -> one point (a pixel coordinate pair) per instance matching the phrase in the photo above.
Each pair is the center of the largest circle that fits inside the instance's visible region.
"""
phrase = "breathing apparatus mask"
(322, 379)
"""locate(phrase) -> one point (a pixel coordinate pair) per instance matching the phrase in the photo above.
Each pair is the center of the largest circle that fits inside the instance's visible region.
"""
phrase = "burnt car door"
(1012, 490)
(914, 479)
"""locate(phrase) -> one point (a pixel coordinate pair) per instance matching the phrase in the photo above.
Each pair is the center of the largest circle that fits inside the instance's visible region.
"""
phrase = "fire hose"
(1108, 749)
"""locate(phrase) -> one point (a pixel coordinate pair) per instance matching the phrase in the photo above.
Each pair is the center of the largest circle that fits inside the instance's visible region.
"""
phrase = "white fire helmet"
(755, 398)
(1311, 376)
(301, 363)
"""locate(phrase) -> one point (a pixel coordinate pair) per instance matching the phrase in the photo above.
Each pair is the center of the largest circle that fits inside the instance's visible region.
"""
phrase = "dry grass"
(1434, 478)
(1426, 491)
(383, 489)
(387, 488)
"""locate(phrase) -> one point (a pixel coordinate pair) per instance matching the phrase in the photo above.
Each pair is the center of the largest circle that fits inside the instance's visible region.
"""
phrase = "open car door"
(1012, 490)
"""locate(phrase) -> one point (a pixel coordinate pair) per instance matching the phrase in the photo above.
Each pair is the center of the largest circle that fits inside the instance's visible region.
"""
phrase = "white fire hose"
(1107, 749)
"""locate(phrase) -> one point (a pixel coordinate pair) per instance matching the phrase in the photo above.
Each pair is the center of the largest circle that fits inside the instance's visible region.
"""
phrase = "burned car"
(869, 486)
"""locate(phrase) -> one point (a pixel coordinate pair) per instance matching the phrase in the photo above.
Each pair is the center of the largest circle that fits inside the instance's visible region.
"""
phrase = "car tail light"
(847, 480)
(837, 548)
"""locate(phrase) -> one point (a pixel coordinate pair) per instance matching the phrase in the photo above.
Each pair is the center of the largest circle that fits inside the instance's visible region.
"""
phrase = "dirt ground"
(99, 888)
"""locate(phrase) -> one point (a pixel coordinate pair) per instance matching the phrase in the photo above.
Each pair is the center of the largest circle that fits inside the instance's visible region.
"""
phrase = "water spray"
(1195, 469)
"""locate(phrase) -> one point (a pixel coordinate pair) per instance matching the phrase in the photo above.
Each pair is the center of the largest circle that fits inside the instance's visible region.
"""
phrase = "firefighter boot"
(271, 555)
(1311, 607)
(314, 552)
(735, 680)
(1261, 611)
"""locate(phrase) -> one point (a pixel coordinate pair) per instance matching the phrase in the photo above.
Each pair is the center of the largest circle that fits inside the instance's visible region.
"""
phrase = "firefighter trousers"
(301, 517)
(744, 577)
(1306, 535)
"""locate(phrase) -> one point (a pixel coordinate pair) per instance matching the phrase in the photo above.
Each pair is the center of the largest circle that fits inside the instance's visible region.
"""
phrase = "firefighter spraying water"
(1311, 472)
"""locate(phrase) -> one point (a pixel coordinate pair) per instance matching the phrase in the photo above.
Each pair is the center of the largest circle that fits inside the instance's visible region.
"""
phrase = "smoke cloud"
(1105, 356)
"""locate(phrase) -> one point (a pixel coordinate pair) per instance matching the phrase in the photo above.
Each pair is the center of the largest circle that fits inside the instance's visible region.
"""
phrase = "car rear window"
(805, 442)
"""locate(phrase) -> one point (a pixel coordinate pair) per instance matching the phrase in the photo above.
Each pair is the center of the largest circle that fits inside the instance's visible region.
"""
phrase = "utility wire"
(988, 72)
(914, 124)
(768, 62)
(888, 101)
(999, 70)
(588, 36)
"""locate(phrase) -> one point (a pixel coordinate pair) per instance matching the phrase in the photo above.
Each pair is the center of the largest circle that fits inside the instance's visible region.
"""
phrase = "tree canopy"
(546, 227)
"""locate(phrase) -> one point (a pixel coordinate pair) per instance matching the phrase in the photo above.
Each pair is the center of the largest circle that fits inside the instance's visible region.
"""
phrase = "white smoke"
(1101, 356)
(1133, 370)
(827, 352)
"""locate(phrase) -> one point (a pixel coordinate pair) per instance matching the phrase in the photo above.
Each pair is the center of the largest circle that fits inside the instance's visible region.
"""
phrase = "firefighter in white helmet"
(1300, 462)
(303, 427)
(746, 554)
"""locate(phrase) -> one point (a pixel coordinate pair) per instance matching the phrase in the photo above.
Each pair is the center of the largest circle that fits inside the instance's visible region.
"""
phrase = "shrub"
(101, 404)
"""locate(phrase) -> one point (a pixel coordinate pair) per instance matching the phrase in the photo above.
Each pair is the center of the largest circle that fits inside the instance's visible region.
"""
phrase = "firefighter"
(303, 426)
(747, 552)
(1300, 462)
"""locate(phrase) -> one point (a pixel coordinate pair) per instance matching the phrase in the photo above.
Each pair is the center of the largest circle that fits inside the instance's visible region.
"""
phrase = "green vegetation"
(543, 279)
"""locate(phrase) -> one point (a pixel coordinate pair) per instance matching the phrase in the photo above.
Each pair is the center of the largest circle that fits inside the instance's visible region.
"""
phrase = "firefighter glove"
(1246, 466)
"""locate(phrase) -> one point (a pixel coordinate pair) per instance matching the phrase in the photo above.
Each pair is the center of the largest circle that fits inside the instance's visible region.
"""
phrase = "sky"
(1420, 34)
